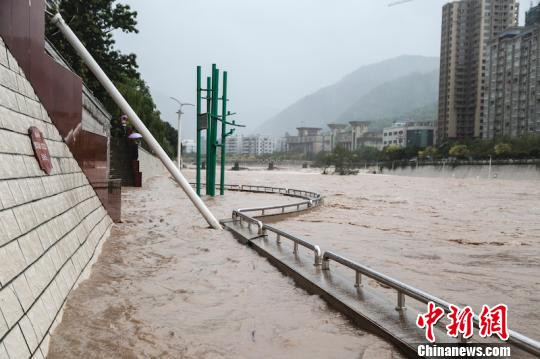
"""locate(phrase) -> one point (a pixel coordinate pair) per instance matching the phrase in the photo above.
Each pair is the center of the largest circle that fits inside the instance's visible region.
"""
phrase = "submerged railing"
(403, 290)
(312, 200)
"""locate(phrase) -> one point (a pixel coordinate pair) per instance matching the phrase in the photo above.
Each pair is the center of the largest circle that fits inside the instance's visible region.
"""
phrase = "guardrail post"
(325, 264)
(295, 251)
(278, 240)
(400, 301)
(358, 282)
(318, 260)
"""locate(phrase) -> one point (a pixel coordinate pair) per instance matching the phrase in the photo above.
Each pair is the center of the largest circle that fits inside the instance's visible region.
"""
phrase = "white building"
(189, 146)
(409, 134)
(257, 145)
(234, 145)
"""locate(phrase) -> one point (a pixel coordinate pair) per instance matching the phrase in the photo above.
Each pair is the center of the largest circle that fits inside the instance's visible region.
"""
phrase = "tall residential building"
(513, 102)
(468, 27)
(533, 16)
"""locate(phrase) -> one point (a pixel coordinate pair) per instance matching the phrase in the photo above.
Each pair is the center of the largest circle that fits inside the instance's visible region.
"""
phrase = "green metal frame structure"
(212, 129)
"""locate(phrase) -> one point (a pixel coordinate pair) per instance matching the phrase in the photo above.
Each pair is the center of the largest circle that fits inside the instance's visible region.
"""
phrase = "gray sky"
(276, 51)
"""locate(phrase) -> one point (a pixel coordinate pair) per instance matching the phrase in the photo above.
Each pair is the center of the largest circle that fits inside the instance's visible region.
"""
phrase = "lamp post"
(180, 113)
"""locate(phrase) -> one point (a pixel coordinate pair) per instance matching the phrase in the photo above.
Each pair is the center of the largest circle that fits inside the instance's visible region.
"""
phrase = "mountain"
(396, 98)
(329, 104)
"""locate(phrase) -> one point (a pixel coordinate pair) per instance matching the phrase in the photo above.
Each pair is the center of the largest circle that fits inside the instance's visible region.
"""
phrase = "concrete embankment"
(51, 226)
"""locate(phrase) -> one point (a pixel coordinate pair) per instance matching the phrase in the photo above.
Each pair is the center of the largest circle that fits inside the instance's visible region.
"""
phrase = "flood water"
(467, 241)
(166, 286)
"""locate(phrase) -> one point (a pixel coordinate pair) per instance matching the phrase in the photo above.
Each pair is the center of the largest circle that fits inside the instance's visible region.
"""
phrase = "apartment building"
(467, 30)
(513, 102)
(257, 145)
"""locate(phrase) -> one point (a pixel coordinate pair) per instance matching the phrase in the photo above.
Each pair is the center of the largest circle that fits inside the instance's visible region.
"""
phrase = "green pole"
(215, 103)
(198, 131)
(223, 134)
(208, 128)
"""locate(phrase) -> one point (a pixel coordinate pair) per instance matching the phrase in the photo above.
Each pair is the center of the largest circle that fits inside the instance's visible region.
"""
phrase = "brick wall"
(51, 226)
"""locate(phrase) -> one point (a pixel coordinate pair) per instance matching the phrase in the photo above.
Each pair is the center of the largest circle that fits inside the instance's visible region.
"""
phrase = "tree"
(503, 149)
(459, 151)
(393, 152)
(94, 22)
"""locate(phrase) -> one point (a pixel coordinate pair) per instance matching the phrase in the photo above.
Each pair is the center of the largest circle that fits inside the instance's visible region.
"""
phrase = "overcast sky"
(276, 51)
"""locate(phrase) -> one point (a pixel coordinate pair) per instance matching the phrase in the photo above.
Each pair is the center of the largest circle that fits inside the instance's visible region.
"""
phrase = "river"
(167, 286)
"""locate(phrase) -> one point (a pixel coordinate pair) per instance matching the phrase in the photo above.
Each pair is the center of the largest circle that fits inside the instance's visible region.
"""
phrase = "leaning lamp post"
(180, 113)
(136, 121)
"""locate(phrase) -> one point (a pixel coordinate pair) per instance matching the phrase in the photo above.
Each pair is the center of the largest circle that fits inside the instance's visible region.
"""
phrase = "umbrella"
(135, 135)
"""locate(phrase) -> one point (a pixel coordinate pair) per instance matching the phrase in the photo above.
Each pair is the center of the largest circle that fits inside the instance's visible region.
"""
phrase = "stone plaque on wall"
(41, 151)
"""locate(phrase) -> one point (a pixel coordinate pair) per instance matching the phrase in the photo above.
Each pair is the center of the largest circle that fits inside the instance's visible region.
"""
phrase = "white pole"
(179, 159)
(139, 125)
(489, 170)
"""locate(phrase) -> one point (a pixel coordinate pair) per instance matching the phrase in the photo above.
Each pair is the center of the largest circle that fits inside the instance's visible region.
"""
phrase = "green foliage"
(94, 22)
(459, 151)
(503, 149)
(429, 153)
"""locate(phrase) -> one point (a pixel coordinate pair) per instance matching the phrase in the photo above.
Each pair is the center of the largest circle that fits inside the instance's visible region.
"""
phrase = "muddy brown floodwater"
(468, 241)
(166, 286)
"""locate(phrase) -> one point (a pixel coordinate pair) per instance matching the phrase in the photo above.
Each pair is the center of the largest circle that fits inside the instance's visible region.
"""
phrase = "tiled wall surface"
(50, 225)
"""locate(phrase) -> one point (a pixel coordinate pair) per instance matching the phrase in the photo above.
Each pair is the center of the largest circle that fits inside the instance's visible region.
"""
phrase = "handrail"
(314, 199)
(240, 216)
(519, 340)
(297, 241)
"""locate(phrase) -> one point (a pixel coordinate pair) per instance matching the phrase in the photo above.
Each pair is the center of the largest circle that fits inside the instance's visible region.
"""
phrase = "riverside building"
(354, 135)
(409, 134)
(513, 103)
(468, 27)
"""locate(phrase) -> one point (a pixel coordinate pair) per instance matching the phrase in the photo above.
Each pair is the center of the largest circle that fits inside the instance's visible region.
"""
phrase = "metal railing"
(312, 199)
(519, 340)
(297, 242)
(238, 216)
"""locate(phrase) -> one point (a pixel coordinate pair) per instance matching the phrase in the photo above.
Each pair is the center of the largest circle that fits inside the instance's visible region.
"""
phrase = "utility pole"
(223, 134)
(180, 113)
(199, 130)
(208, 129)
(211, 185)
(209, 122)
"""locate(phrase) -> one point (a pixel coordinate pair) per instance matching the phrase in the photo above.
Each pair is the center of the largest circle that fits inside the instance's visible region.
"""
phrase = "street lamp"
(180, 113)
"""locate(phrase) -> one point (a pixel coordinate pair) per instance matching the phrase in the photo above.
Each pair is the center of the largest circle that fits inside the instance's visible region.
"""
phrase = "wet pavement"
(167, 286)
